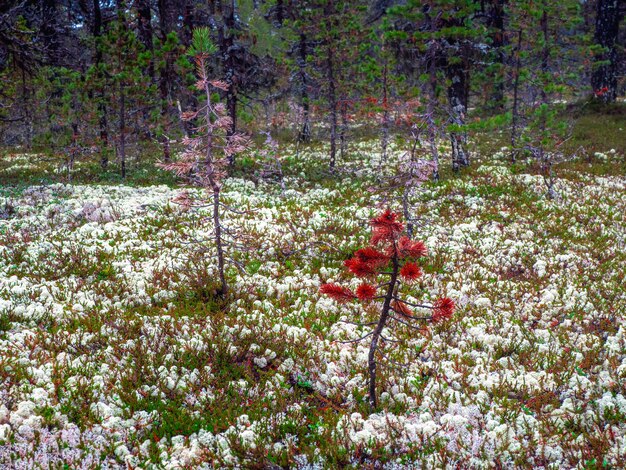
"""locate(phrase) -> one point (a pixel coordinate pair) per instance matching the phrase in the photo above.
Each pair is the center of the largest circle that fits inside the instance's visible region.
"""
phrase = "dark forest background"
(108, 81)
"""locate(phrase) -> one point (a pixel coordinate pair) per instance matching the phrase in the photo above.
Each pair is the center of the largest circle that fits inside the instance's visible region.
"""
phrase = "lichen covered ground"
(114, 350)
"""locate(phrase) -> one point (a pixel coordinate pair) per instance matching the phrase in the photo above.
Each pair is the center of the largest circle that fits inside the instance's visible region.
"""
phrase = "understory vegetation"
(116, 350)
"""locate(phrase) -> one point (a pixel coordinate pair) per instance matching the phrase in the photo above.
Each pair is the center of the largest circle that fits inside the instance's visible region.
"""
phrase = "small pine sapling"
(413, 172)
(205, 160)
(414, 169)
(394, 257)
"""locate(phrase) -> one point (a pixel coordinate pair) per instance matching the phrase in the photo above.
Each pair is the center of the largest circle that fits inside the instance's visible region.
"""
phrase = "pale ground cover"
(113, 350)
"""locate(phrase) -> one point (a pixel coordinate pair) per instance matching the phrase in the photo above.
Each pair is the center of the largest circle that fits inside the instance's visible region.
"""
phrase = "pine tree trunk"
(496, 101)
(604, 76)
(545, 159)
(384, 140)
(226, 42)
(231, 104)
(431, 106)
(457, 97)
(371, 358)
(144, 32)
(218, 236)
(343, 129)
(215, 188)
(545, 58)
(305, 131)
(332, 105)
(122, 131)
(74, 146)
(166, 13)
(515, 106)
(102, 109)
(122, 97)
(49, 31)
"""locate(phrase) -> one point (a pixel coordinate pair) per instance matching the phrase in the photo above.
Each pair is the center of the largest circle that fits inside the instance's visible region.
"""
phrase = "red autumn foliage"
(411, 249)
(443, 309)
(410, 272)
(389, 248)
(387, 228)
(371, 256)
(366, 291)
(359, 268)
(366, 262)
(337, 292)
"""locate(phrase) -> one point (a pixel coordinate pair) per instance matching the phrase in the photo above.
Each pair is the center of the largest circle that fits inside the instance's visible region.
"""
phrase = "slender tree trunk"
(122, 94)
(188, 22)
(218, 236)
(408, 187)
(305, 131)
(604, 76)
(122, 130)
(229, 42)
(185, 99)
(28, 118)
(406, 210)
(432, 103)
(515, 107)
(457, 98)
(215, 188)
(231, 104)
(343, 129)
(545, 57)
(74, 148)
(332, 105)
(165, 78)
(545, 158)
(496, 15)
(145, 35)
(102, 109)
(144, 32)
(330, 12)
(371, 358)
(226, 38)
(164, 139)
(384, 140)
(49, 30)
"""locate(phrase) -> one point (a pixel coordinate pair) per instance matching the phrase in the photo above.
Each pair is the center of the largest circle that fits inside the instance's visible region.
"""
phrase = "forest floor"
(114, 350)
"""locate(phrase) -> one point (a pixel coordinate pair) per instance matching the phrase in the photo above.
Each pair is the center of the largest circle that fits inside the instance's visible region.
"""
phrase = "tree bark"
(515, 106)
(144, 32)
(343, 129)
(305, 132)
(384, 139)
(215, 188)
(102, 109)
(604, 76)
(49, 31)
(545, 158)
(457, 98)
(166, 23)
(496, 16)
(371, 358)
(431, 106)
(122, 96)
(226, 43)
(122, 130)
(332, 105)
